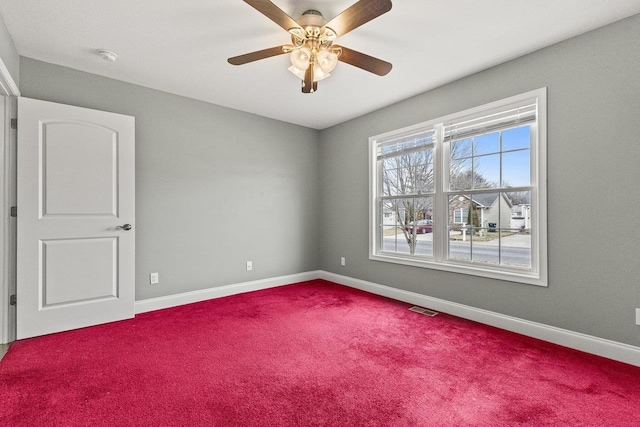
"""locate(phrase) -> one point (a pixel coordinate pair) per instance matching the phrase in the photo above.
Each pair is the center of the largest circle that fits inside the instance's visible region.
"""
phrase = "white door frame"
(9, 90)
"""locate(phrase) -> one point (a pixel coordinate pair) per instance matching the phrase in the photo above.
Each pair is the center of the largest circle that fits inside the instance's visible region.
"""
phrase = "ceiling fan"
(313, 54)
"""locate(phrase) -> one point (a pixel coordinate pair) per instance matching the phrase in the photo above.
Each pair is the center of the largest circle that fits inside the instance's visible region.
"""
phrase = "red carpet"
(309, 354)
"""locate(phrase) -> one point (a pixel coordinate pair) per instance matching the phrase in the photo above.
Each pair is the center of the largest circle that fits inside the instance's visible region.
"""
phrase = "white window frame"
(463, 220)
(537, 275)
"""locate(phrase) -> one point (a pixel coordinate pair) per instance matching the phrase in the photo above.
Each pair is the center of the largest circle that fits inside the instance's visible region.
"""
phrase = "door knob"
(125, 227)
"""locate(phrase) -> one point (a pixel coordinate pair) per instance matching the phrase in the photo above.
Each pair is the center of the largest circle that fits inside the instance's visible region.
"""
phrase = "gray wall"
(8, 52)
(214, 187)
(593, 86)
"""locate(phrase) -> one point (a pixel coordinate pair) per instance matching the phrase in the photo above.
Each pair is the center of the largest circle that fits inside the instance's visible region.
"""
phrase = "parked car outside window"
(422, 227)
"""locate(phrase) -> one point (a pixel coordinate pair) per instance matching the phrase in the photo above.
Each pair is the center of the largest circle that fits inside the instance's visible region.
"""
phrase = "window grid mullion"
(440, 209)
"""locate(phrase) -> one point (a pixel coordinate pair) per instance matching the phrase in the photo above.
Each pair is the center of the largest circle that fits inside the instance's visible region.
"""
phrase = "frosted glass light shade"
(318, 74)
(327, 60)
(299, 73)
(300, 58)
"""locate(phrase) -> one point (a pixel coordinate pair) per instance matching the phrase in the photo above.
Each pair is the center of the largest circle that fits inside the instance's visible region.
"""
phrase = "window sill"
(528, 278)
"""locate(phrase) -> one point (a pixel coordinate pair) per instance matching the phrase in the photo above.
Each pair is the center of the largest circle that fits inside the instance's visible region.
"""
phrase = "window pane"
(488, 209)
(424, 208)
(389, 177)
(421, 231)
(422, 157)
(389, 237)
(396, 181)
(485, 247)
(388, 213)
(516, 169)
(408, 173)
(407, 226)
(390, 232)
(486, 171)
(486, 144)
(458, 209)
(474, 215)
(515, 248)
(459, 244)
(461, 148)
(477, 224)
(520, 210)
(424, 172)
(389, 163)
(460, 174)
(406, 180)
(516, 138)
(410, 211)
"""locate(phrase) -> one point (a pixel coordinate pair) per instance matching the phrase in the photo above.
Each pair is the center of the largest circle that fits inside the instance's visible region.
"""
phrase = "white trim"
(4, 225)
(8, 224)
(8, 86)
(168, 301)
(575, 340)
(458, 267)
(540, 170)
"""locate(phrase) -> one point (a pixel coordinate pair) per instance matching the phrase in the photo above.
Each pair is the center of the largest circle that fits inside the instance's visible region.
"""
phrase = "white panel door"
(76, 211)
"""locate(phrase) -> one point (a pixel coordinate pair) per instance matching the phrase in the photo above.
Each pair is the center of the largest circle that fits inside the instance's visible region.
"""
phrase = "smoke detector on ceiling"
(107, 55)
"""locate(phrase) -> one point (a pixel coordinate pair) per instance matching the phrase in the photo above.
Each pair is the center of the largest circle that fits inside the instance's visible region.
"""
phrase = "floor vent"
(426, 311)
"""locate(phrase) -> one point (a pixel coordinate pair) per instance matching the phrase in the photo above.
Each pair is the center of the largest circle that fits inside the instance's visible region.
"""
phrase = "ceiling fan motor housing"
(311, 18)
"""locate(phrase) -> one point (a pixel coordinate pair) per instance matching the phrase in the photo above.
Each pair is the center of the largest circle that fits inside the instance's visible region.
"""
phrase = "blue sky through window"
(503, 153)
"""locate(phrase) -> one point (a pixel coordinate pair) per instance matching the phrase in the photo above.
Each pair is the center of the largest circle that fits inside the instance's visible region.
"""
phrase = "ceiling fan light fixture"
(312, 53)
(319, 73)
(297, 72)
(327, 60)
(300, 58)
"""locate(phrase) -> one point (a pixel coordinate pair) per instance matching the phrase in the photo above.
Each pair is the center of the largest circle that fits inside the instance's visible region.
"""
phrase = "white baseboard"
(168, 301)
(575, 340)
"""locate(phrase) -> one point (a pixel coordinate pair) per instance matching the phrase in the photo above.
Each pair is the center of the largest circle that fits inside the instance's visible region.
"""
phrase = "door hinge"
(13, 300)
(14, 211)
(14, 123)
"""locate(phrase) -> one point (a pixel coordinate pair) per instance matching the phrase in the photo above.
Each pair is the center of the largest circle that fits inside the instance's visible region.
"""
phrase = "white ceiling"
(182, 46)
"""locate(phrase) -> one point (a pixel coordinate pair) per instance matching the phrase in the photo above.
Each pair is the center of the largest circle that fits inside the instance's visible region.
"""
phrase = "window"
(465, 192)
(460, 216)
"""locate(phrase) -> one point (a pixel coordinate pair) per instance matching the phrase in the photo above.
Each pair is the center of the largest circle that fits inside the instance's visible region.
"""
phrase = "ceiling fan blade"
(359, 13)
(254, 56)
(366, 62)
(274, 13)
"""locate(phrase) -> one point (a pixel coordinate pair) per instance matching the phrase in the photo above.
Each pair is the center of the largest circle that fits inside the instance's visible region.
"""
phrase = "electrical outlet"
(638, 316)
(153, 278)
(343, 261)
(249, 265)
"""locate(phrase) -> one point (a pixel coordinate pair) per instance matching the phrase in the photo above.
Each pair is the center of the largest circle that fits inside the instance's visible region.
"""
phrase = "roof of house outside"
(486, 200)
